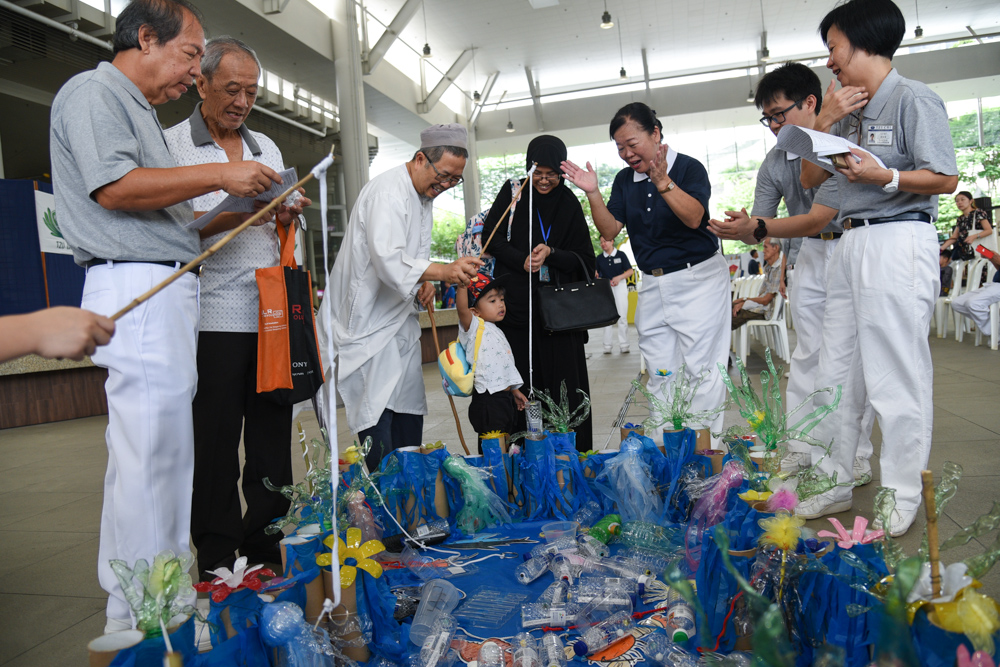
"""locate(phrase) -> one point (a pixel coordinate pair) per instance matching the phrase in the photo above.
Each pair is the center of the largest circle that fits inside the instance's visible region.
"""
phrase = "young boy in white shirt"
(495, 396)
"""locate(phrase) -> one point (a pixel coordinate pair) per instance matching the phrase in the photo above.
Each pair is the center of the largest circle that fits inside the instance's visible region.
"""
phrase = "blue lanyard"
(545, 233)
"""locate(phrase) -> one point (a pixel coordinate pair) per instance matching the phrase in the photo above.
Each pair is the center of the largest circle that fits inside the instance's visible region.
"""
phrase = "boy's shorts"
(493, 412)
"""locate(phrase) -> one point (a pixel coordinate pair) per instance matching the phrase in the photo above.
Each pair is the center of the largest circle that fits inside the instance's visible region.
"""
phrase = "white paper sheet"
(233, 204)
(816, 147)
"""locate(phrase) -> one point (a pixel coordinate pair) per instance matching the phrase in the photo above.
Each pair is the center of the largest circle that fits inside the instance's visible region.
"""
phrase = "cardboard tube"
(715, 456)
(625, 431)
(105, 648)
(703, 441)
(348, 607)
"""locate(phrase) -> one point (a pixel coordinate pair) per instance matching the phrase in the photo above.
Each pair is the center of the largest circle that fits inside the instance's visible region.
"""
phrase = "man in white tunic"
(382, 267)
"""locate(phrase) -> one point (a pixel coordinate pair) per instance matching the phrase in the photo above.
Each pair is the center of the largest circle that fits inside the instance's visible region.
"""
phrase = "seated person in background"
(447, 295)
(495, 396)
(753, 268)
(976, 304)
(761, 306)
(946, 272)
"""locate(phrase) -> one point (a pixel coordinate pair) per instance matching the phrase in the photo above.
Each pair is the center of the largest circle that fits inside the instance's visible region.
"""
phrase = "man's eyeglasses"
(778, 118)
(444, 178)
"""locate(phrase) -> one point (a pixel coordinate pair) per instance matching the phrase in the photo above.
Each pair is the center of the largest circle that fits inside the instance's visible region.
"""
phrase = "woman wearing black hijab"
(560, 240)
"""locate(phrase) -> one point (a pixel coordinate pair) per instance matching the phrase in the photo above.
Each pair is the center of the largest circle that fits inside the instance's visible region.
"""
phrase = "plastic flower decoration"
(675, 407)
(156, 594)
(752, 496)
(977, 659)
(953, 579)
(241, 576)
(858, 534)
(353, 555)
(782, 531)
(351, 455)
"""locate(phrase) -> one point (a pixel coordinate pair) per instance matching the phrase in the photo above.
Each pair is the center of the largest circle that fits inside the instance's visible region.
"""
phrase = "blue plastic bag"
(543, 498)
(149, 652)
(574, 487)
(376, 605)
(410, 493)
(717, 589)
(245, 649)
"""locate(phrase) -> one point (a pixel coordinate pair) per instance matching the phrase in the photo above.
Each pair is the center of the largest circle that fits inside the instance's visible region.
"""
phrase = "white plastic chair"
(774, 325)
(994, 314)
(942, 308)
(974, 280)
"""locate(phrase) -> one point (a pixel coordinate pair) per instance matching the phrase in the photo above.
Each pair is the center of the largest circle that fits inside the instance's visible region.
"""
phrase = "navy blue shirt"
(659, 239)
(609, 267)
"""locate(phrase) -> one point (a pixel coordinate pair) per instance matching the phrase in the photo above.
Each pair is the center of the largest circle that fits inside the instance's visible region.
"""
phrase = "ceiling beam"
(487, 89)
(535, 100)
(449, 78)
(391, 34)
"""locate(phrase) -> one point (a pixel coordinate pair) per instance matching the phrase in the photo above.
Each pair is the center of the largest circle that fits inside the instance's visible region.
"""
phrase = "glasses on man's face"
(452, 181)
(778, 118)
(550, 176)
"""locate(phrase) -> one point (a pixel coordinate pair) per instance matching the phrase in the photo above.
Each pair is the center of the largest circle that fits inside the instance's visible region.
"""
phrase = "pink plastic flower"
(978, 659)
(857, 536)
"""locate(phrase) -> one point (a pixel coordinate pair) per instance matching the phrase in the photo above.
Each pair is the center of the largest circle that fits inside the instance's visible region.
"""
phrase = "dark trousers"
(492, 412)
(393, 430)
(744, 316)
(227, 405)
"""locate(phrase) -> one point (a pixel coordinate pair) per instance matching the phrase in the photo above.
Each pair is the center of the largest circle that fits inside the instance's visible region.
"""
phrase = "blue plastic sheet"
(409, 493)
(149, 652)
(244, 611)
(935, 646)
(628, 479)
(543, 499)
(245, 650)
(575, 490)
(376, 605)
(716, 589)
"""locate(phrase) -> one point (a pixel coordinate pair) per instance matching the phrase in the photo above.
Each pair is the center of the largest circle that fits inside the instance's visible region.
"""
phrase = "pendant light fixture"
(510, 123)
(606, 21)
(427, 44)
(918, 33)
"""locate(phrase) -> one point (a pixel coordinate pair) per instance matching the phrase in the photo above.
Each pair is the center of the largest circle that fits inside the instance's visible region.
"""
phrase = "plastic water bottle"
(561, 569)
(361, 517)
(540, 615)
(603, 634)
(593, 546)
(561, 546)
(648, 536)
(431, 533)
(553, 651)
(531, 569)
(631, 587)
(525, 651)
(438, 641)
(606, 528)
(555, 593)
(490, 655)
(661, 652)
(607, 596)
(588, 515)
(680, 617)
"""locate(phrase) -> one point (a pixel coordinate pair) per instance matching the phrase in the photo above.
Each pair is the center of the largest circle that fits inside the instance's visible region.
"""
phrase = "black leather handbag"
(583, 305)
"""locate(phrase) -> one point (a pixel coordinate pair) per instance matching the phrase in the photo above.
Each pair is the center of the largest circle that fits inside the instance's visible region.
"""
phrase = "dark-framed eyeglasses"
(553, 176)
(778, 118)
(444, 178)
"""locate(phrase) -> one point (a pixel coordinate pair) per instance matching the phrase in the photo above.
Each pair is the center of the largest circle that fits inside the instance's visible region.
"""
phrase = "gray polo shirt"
(778, 178)
(906, 125)
(102, 128)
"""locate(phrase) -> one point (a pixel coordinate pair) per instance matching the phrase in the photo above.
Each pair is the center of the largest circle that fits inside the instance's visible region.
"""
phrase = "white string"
(531, 312)
(330, 418)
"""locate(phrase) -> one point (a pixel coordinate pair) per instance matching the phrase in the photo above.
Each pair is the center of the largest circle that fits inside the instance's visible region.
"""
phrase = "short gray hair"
(218, 47)
(770, 240)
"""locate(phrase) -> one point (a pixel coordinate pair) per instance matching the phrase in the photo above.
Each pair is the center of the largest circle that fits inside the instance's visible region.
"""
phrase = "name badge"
(618, 260)
(879, 135)
(543, 274)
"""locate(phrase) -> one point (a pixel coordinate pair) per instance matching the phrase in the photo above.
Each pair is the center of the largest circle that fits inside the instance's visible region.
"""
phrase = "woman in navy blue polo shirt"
(683, 314)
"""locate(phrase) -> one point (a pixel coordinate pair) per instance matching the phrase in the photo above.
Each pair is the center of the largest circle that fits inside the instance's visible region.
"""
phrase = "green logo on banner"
(49, 218)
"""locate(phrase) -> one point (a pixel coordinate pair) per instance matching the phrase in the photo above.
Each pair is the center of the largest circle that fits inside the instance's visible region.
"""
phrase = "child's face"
(944, 261)
(490, 306)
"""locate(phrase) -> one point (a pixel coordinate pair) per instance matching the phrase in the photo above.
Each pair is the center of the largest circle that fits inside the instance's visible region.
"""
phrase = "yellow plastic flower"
(752, 496)
(756, 420)
(972, 614)
(352, 455)
(492, 435)
(352, 556)
(432, 446)
(782, 530)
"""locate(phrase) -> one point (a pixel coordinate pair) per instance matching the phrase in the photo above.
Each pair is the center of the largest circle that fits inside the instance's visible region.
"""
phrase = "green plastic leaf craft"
(675, 407)
(482, 507)
(311, 500)
(159, 593)
(558, 417)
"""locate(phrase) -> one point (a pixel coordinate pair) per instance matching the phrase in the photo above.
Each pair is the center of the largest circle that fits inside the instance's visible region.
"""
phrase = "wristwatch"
(761, 232)
(892, 185)
(667, 188)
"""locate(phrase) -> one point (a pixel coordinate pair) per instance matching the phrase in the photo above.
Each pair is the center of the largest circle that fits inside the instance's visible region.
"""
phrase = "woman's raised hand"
(585, 179)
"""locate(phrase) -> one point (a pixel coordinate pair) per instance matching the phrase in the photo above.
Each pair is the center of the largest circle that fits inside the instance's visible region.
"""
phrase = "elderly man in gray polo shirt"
(123, 210)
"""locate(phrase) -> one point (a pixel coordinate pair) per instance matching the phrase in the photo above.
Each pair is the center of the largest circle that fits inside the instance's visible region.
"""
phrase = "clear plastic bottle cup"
(562, 569)
(437, 597)
(525, 651)
(533, 415)
(593, 547)
(554, 594)
(553, 651)
(589, 514)
(490, 655)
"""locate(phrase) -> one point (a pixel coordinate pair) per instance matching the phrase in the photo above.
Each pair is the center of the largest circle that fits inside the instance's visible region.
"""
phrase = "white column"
(350, 101)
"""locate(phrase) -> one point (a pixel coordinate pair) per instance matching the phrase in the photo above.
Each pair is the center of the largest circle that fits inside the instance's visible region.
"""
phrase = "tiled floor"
(51, 479)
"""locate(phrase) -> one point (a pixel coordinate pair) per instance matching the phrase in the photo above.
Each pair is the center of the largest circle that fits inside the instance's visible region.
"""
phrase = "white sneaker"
(794, 462)
(900, 522)
(821, 505)
(623, 349)
(607, 350)
(862, 471)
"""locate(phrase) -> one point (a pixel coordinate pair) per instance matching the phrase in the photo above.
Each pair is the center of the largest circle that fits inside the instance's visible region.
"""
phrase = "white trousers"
(808, 303)
(684, 318)
(883, 283)
(976, 304)
(152, 379)
(621, 302)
